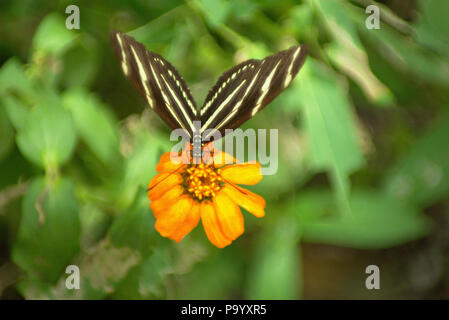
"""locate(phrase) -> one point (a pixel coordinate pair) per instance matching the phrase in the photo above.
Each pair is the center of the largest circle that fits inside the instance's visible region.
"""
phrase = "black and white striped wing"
(157, 80)
(244, 90)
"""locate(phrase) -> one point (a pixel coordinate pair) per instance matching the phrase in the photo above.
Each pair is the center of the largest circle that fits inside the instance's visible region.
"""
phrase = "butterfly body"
(238, 95)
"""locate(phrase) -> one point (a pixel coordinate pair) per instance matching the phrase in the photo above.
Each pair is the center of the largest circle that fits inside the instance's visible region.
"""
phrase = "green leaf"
(94, 225)
(347, 51)
(217, 277)
(80, 64)
(6, 133)
(141, 162)
(276, 269)
(153, 272)
(408, 57)
(377, 221)
(52, 36)
(432, 26)
(105, 265)
(147, 280)
(355, 64)
(13, 79)
(102, 268)
(94, 123)
(128, 287)
(215, 11)
(301, 16)
(291, 162)
(329, 125)
(421, 175)
(33, 289)
(243, 10)
(48, 139)
(16, 110)
(135, 227)
(312, 206)
(49, 230)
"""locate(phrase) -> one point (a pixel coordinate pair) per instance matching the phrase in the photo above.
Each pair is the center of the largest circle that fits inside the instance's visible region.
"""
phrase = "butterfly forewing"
(238, 95)
(157, 81)
(244, 90)
(228, 90)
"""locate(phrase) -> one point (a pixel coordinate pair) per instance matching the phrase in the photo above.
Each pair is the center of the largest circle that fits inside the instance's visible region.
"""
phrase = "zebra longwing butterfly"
(238, 95)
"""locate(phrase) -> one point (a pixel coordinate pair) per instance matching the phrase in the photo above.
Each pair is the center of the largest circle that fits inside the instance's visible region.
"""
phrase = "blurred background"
(363, 151)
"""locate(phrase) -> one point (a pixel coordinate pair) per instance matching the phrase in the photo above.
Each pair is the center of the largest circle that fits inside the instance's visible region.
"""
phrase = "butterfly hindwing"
(157, 81)
(244, 90)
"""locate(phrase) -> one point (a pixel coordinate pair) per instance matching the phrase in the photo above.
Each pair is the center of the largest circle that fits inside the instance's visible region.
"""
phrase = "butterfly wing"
(157, 81)
(245, 89)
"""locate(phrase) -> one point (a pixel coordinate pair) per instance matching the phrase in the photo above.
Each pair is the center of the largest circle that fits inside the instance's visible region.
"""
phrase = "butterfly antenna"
(236, 186)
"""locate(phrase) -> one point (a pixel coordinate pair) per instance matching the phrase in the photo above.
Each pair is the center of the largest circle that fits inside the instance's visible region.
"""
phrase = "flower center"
(202, 181)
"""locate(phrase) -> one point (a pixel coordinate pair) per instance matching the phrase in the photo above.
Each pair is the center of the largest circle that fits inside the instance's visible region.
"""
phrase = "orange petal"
(229, 216)
(212, 226)
(222, 158)
(248, 200)
(189, 223)
(245, 173)
(161, 183)
(170, 221)
(166, 164)
(163, 203)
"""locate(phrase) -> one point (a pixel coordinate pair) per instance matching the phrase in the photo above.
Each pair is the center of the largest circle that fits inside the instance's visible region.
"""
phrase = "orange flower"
(182, 194)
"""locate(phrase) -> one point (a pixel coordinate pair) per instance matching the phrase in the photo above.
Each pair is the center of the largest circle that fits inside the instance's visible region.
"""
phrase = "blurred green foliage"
(363, 136)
